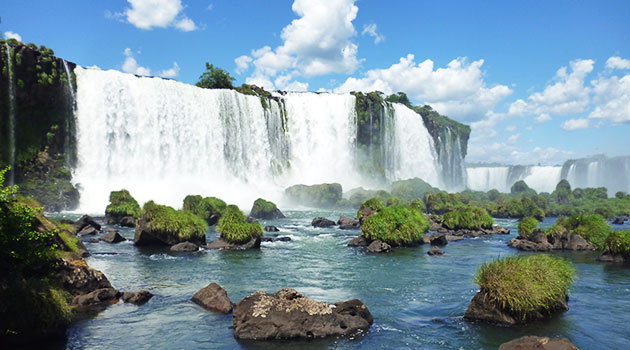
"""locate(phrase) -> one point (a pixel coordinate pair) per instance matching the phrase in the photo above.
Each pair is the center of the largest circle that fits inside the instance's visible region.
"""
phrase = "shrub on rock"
(234, 228)
(163, 225)
(121, 204)
(209, 208)
(526, 227)
(396, 226)
(592, 227)
(617, 247)
(369, 208)
(467, 218)
(521, 288)
(263, 209)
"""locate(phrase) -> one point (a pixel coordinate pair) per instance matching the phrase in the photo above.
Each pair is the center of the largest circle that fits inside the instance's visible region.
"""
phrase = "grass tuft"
(234, 228)
(180, 223)
(396, 226)
(527, 226)
(618, 243)
(468, 218)
(122, 204)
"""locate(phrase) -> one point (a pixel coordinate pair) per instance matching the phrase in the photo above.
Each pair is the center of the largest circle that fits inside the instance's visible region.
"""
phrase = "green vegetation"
(527, 226)
(592, 227)
(618, 243)
(418, 205)
(441, 202)
(411, 189)
(373, 114)
(468, 217)
(263, 209)
(321, 196)
(178, 223)
(373, 203)
(208, 208)
(396, 226)
(121, 203)
(234, 228)
(215, 78)
(526, 284)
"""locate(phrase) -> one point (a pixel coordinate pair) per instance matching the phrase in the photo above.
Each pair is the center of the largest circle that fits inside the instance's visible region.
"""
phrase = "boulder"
(267, 210)
(253, 243)
(184, 247)
(87, 230)
(137, 298)
(266, 239)
(112, 237)
(346, 223)
(127, 221)
(144, 235)
(358, 241)
(251, 219)
(379, 246)
(96, 298)
(619, 220)
(540, 242)
(214, 298)
(438, 239)
(612, 258)
(287, 314)
(322, 222)
(365, 213)
(529, 246)
(453, 238)
(84, 221)
(435, 251)
(538, 343)
(271, 228)
(283, 239)
(77, 278)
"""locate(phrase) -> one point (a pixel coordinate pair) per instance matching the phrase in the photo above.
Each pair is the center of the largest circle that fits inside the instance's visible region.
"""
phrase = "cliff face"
(37, 123)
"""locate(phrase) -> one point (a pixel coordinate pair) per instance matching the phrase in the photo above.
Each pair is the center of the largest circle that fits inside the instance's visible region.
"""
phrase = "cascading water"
(12, 121)
(599, 171)
(488, 178)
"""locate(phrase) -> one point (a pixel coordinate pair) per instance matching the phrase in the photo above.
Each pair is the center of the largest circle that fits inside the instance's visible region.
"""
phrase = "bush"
(215, 78)
(618, 243)
(592, 227)
(322, 195)
(440, 203)
(394, 201)
(525, 284)
(396, 226)
(208, 208)
(411, 188)
(179, 223)
(418, 205)
(527, 226)
(234, 228)
(122, 204)
(373, 203)
(468, 218)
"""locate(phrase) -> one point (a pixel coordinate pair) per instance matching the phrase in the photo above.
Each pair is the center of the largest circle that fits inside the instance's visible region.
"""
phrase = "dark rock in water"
(145, 236)
(78, 278)
(484, 308)
(127, 221)
(112, 237)
(379, 246)
(185, 247)
(613, 258)
(271, 228)
(453, 238)
(529, 246)
(538, 343)
(254, 243)
(283, 239)
(358, 241)
(619, 220)
(322, 222)
(213, 298)
(263, 209)
(87, 230)
(137, 298)
(84, 221)
(96, 297)
(346, 223)
(287, 314)
(94, 240)
(438, 239)
(435, 251)
(266, 239)
(540, 242)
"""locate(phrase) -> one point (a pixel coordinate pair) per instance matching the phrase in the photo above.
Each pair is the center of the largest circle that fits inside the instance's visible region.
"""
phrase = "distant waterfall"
(501, 178)
(11, 129)
(612, 173)
(162, 140)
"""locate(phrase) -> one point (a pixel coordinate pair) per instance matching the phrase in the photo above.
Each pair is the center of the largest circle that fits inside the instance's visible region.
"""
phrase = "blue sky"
(538, 81)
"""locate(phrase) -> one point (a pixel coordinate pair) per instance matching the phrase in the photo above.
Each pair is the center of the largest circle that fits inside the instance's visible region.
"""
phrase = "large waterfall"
(162, 140)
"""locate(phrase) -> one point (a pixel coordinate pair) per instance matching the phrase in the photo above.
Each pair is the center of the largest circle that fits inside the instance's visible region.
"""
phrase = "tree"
(215, 78)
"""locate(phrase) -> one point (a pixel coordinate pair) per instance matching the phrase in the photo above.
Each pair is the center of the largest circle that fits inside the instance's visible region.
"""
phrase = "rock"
(271, 228)
(453, 238)
(184, 247)
(267, 210)
(127, 221)
(87, 230)
(96, 297)
(137, 298)
(619, 220)
(94, 240)
(287, 314)
(213, 298)
(283, 239)
(358, 241)
(266, 239)
(529, 246)
(77, 278)
(365, 213)
(438, 239)
(84, 221)
(144, 236)
(346, 223)
(379, 246)
(254, 243)
(538, 343)
(612, 258)
(540, 242)
(575, 242)
(483, 308)
(322, 222)
(112, 237)
(435, 251)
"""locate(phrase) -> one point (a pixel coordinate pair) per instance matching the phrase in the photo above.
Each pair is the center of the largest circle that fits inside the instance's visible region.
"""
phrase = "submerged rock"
(346, 223)
(287, 314)
(322, 222)
(435, 251)
(271, 228)
(138, 298)
(253, 243)
(538, 343)
(379, 246)
(184, 247)
(214, 298)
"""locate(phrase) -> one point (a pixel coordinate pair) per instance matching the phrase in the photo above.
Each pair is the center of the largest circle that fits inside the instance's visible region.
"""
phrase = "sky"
(539, 82)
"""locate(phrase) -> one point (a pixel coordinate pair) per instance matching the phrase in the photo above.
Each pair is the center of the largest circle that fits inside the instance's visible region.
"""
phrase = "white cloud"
(514, 138)
(242, 63)
(506, 153)
(171, 72)
(510, 128)
(130, 65)
(617, 62)
(284, 82)
(146, 14)
(575, 124)
(457, 90)
(543, 117)
(370, 30)
(612, 99)
(12, 35)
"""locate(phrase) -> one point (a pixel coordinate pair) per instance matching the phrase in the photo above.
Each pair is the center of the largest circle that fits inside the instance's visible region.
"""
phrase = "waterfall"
(599, 171)
(69, 90)
(12, 121)
(488, 178)
(501, 178)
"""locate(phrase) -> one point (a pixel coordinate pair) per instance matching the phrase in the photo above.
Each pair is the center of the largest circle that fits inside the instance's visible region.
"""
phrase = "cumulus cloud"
(147, 14)
(317, 43)
(370, 30)
(575, 124)
(458, 90)
(508, 153)
(543, 117)
(130, 65)
(171, 72)
(242, 63)
(617, 62)
(12, 35)
(612, 99)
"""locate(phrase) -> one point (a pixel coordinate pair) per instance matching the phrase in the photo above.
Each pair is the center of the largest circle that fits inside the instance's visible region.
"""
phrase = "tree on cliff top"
(215, 78)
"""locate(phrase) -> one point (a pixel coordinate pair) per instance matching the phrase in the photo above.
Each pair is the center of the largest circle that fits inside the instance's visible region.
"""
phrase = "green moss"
(418, 204)
(179, 223)
(122, 204)
(394, 201)
(618, 243)
(527, 226)
(396, 226)
(526, 284)
(234, 228)
(208, 208)
(468, 218)
(374, 203)
(263, 209)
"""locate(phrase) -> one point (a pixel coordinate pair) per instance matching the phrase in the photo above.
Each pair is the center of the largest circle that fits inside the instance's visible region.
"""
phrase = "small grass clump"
(525, 284)
(234, 228)
(208, 208)
(183, 224)
(396, 226)
(122, 204)
(527, 226)
(592, 227)
(618, 243)
(468, 218)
